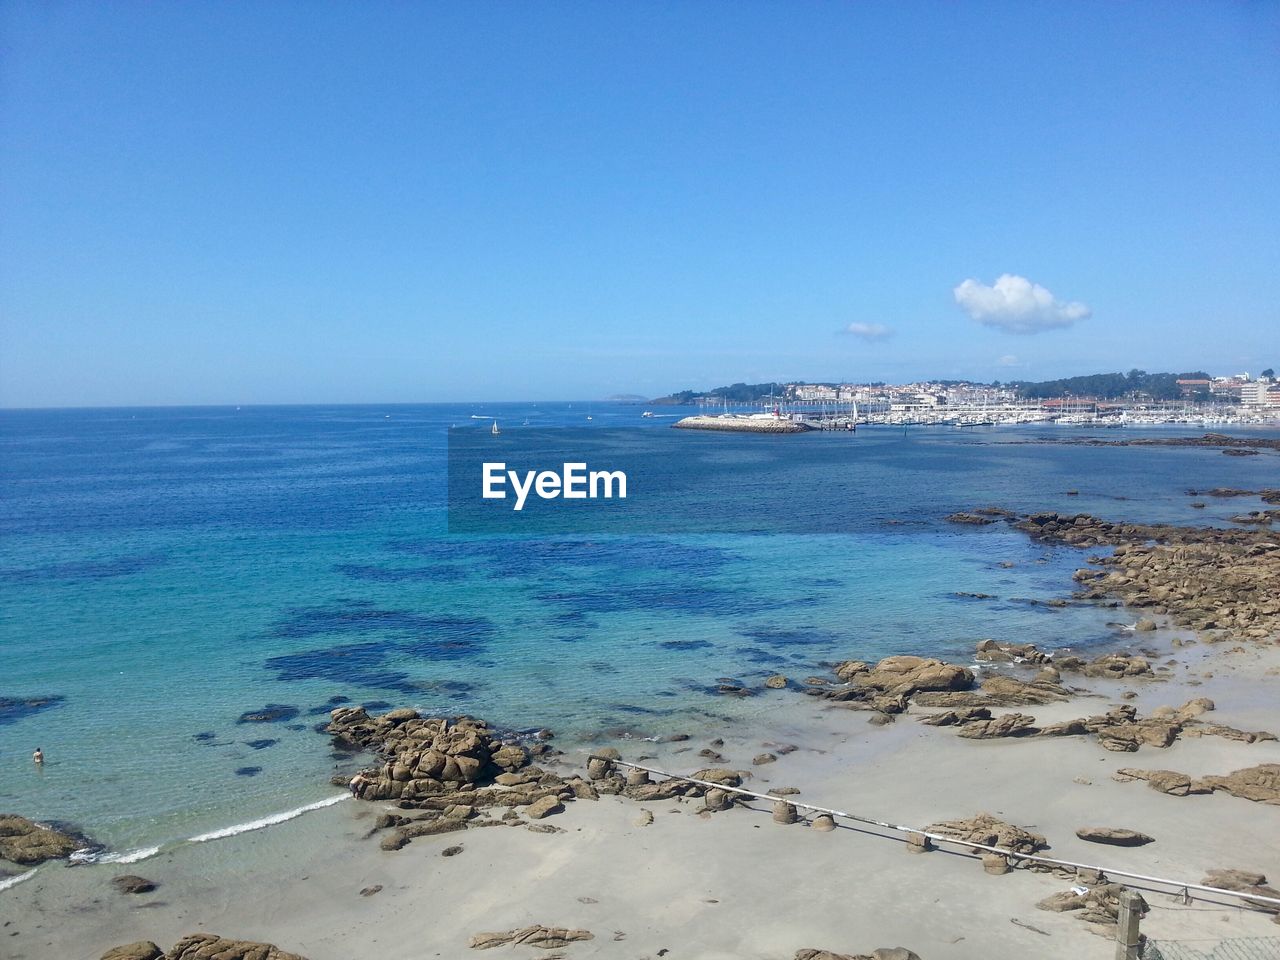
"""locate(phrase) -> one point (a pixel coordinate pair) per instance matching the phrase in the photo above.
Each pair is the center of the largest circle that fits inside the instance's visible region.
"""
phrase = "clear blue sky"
(239, 202)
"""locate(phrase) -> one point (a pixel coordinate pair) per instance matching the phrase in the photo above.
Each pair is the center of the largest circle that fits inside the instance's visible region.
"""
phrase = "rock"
(879, 719)
(1009, 691)
(271, 713)
(370, 891)
(142, 950)
(451, 851)
(1145, 625)
(1117, 666)
(763, 758)
(1244, 881)
(990, 831)
(400, 716)
(393, 841)
(995, 864)
(956, 717)
(719, 776)
(645, 818)
(28, 843)
(1115, 836)
(907, 675)
(824, 823)
(544, 808)
(1008, 725)
(776, 682)
(208, 946)
(129, 883)
(546, 938)
(970, 518)
(717, 800)
(1099, 904)
(1260, 784)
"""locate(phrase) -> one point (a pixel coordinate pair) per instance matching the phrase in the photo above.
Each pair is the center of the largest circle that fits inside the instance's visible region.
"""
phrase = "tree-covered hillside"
(1111, 386)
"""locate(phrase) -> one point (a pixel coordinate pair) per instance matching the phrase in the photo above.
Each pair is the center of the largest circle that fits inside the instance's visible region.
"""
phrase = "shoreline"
(331, 849)
(327, 848)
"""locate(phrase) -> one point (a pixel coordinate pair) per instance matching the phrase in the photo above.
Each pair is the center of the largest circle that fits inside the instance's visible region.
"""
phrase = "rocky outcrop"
(453, 771)
(1246, 881)
(1260, 784)
(1120, 729)
(28, 843)
(1226, 581)
(890, 685)
(971, 518)
(992, 651)
(201, 946)
(1098, 905)
(990, 831)
(545, 938)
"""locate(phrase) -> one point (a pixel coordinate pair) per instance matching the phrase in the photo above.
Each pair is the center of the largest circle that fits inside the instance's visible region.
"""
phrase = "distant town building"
(1190, 388)
(1261, 393)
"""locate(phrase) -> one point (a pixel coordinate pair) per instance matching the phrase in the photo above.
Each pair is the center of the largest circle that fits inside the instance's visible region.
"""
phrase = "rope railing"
(1179, 885)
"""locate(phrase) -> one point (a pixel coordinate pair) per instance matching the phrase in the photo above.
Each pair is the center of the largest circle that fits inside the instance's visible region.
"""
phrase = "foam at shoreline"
(9, 882)
(131, 856)
(269, 821)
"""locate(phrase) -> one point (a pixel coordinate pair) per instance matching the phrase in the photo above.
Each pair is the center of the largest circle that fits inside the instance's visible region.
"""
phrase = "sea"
(186, 593)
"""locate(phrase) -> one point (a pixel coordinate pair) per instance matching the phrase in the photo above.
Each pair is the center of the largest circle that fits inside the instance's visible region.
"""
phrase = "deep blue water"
(164, 572)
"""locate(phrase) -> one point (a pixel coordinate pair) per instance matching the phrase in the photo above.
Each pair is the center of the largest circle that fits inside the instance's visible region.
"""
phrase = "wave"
(9, 882)
(131, 856)
(268, 821)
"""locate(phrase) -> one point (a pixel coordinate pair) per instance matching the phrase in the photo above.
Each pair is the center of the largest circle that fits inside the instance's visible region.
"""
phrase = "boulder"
(1114, 836)
(544, 807)
(130, 883)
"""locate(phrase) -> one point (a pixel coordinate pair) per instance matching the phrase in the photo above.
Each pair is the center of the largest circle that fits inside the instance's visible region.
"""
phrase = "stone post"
(784, 812)
(1128, 940)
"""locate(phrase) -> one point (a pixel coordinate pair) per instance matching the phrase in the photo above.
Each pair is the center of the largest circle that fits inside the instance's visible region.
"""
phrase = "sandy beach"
(735, 884)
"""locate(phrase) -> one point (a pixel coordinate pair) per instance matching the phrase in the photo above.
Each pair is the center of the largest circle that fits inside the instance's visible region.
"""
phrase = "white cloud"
(1016, 305)
(869, 331)
(1008, 360)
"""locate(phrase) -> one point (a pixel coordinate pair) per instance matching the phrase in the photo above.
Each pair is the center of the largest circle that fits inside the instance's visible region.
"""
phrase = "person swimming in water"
(38, 756)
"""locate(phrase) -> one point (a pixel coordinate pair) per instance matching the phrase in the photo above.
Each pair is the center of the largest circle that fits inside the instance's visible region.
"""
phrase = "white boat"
(494, 429)
(647, 413)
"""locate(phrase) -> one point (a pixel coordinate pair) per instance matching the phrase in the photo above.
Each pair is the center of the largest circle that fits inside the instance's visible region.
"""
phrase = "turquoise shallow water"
(163, 572)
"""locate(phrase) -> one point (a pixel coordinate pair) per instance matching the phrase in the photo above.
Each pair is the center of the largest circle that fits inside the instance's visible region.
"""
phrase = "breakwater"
(742, 424)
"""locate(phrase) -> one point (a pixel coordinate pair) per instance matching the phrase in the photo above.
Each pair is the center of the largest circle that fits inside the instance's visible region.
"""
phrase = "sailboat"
(494, 429)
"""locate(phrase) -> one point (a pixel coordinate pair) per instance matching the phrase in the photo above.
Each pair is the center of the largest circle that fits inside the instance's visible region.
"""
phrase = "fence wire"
(1252, 948)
